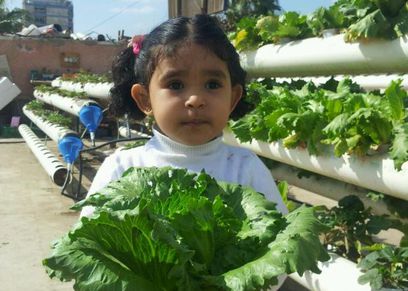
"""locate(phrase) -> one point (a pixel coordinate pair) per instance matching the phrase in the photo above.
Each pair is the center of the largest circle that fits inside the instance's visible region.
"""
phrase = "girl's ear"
(141, 97)
(236, 95)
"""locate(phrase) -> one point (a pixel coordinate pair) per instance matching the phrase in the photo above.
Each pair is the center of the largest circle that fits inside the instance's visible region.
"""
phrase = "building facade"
(192, 7)
(46, 12)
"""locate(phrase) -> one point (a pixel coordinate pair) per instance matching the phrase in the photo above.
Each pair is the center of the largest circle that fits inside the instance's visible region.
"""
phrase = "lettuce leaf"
(167, 229)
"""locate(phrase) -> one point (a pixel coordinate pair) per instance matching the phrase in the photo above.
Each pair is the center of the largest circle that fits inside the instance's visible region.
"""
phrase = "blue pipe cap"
(70, 146)
(91, 116)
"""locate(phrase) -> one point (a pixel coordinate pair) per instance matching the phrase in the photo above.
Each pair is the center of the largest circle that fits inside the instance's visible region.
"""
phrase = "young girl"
(187, 76)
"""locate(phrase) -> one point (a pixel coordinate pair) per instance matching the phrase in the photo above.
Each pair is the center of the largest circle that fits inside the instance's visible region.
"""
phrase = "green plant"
(52, 116)
(336, 113)
(84, 77)
(325, 18)
(61, 92)
(283, 187)
(238, 9)
(375, 18)
(57, 118)
(167, 229)
(252, 32)
(351, 227)
(12, 21)
(358, 19)
(385, 268)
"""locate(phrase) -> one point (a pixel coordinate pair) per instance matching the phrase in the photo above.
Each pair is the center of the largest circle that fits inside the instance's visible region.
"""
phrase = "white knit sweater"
(221, 161)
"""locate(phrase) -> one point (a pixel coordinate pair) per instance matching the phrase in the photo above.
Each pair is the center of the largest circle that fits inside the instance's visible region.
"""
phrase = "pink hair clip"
(136, 43)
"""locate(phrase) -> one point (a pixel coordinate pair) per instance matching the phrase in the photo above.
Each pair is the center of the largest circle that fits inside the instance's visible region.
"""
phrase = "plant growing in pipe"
(69, 143)
(352, 227)
(387, 267)
(88, 111)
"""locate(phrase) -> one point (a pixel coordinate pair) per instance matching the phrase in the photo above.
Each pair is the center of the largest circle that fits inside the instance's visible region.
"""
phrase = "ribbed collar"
(165, 144)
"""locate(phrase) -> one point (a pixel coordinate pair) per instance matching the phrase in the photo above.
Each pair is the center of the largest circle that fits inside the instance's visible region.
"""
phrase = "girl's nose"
(195, 101)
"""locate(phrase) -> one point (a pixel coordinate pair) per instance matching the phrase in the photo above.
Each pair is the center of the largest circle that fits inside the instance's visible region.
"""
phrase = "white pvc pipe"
(54, 167)
(123, 131)
(55, 132)
(338, 274)
(376, 173)
(327, 56)
(367, 82)
(95, 90)
(8, 91)
(67, 104)
(323, 186)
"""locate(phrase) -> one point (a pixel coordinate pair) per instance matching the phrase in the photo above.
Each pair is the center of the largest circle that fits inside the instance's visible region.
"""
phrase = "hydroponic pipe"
(69, 143)
(70, 105)
(338, 274)
(376, 173)
(131, 133)
(327, 56)
(89, 112)
(95, 90)
(55, 132)
(327, 187)
(8, 91)
(54, 168)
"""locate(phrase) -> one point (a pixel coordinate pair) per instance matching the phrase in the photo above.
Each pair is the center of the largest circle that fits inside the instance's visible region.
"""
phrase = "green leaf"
(395, 95)
(337, 126)
(109, 253)
(325, 18)
(373, 277)
(401, 22)
(399, 148)
(374, 25)
(267, 26)
(292, 251)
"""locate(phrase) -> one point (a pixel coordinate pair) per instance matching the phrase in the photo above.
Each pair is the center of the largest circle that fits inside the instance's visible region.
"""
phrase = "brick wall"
(27, 54)
(24, 55)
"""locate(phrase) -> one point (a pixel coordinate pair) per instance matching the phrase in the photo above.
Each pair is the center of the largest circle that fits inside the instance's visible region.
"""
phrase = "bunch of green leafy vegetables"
(167, 229)
(254, 32)
(340, 114)
(358, 19)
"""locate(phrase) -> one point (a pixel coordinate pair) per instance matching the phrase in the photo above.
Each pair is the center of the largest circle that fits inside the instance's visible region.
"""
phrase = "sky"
(108, 17)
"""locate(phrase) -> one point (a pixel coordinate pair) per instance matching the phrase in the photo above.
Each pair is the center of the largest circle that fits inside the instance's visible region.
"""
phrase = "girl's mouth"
(194, 122)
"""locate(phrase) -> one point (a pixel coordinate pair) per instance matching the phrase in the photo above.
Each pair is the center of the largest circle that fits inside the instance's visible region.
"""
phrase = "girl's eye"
(176, 85)
(213, 85)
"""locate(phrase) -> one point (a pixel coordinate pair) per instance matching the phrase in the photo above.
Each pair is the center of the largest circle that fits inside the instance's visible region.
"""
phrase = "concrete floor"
(33, 213)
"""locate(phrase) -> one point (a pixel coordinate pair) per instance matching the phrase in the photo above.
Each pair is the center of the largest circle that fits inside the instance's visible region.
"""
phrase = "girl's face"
(190, 95)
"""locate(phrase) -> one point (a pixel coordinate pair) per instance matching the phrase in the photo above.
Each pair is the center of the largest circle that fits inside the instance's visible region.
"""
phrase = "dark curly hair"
(162, 42)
